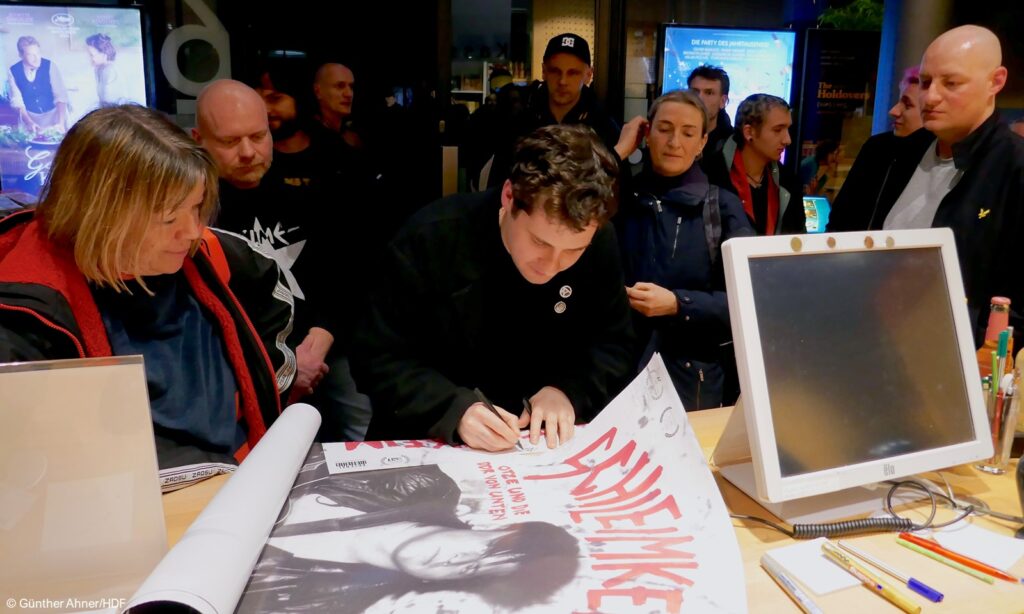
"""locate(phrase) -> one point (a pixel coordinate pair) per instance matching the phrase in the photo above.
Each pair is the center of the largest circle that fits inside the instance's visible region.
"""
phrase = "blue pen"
(913, 584)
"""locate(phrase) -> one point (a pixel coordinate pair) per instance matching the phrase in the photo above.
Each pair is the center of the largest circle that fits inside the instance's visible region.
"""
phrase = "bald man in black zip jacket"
(967, 167)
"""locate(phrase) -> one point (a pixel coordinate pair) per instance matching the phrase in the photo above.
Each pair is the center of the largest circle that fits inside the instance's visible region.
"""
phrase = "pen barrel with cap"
(897, 598)
(965, 560)
(870, 580)
(946, 561)
(912, 583)
(924, 590)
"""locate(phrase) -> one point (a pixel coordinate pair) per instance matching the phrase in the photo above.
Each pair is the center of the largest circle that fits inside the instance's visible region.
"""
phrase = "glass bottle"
(998, 321)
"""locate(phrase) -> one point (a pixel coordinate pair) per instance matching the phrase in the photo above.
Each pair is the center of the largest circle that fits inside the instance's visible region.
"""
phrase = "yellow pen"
(869, 579)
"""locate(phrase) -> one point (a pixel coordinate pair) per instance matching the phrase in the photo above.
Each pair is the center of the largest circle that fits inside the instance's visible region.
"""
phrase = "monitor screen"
(861, 356)
(59, 63)
(757, 61)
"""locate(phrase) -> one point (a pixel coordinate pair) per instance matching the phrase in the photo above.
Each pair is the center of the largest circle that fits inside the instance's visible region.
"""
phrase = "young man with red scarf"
(748, 166)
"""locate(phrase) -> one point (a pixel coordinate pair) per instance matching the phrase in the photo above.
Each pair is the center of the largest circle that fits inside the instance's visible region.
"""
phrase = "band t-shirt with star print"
(286, 217)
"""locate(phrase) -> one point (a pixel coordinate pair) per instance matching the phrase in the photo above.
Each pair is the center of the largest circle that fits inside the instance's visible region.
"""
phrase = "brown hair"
(711, 73)
(753, 111)
(681, 97)
(24, 42)
(117, 169)
(102, 43)
(567, 170)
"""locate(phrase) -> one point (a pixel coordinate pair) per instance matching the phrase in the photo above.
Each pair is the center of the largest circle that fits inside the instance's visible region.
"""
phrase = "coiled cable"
(894, 523)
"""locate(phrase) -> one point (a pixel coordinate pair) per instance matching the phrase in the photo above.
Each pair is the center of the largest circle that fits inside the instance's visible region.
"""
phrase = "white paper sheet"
(352, 457)
(805, 562)
(965, 538)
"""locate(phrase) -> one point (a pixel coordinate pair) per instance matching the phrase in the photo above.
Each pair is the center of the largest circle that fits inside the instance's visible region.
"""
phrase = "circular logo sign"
(62, 20)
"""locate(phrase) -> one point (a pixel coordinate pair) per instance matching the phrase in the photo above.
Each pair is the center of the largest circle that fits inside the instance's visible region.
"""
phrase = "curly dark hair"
(753, 111)
(567, 170)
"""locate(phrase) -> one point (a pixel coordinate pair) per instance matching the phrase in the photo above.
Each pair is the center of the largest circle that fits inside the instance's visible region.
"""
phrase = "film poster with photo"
(624, 517)
(60, 62)
(838, 104)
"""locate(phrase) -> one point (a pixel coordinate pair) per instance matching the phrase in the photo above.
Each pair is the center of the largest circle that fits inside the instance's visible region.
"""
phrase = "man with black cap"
(567, 72)
(563, 97)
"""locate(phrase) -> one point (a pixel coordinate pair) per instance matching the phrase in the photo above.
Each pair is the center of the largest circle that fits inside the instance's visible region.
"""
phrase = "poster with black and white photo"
(624, 517)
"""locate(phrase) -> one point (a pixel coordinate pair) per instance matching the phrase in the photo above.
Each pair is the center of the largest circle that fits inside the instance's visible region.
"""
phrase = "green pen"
(1004, 342)
(995, 374)
(938, 557)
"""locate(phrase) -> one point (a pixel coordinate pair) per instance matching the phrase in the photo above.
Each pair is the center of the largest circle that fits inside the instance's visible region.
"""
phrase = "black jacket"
(663, 229)
(537, 114)
(985, 210)
(451, 312)
(862, 188)
(716, 138)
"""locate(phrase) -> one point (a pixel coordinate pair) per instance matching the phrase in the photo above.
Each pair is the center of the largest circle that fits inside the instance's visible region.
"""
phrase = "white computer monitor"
(856, 360)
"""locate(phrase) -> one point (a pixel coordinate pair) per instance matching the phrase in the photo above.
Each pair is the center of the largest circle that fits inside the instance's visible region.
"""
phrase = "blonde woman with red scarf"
(748, 166)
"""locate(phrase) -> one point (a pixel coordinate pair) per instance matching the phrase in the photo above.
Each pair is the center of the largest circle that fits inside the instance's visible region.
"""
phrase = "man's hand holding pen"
(487, 427)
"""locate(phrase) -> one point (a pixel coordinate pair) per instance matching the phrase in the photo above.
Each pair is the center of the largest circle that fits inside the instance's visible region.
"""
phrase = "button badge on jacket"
(564, 292)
